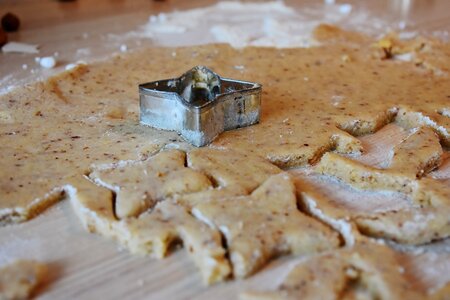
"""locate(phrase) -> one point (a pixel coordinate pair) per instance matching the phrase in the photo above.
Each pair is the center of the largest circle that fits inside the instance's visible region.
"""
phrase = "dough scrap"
(367, 271)
(264, 225)
(140, 185)
(20, 279)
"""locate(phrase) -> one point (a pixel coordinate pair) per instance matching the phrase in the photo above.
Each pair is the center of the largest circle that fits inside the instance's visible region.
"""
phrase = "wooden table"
(86, 266)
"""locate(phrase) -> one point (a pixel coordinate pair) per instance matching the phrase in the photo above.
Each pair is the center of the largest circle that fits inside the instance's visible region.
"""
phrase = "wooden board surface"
(86, 266)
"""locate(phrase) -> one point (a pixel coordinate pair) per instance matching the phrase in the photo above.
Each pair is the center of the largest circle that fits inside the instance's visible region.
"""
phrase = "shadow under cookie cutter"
(199, 105)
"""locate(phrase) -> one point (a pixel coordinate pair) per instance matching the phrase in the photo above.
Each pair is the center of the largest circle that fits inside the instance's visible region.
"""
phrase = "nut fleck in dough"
(139, 185)
(19, 279)
(264, 225)
(367, 271)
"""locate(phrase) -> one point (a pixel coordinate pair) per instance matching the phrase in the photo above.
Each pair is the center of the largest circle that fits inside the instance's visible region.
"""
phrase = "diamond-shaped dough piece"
(265, 224)
(426, 221)
(411, 226)
(19, 279)
(140, 185)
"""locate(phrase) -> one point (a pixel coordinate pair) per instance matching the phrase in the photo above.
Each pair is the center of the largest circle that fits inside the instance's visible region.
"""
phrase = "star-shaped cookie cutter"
(199, 105)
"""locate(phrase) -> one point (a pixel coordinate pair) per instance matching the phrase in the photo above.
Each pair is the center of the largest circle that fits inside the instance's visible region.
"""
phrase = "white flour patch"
(271, 24)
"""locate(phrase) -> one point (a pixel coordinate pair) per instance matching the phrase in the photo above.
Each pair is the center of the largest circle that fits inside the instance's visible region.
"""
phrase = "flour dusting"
(269, 24)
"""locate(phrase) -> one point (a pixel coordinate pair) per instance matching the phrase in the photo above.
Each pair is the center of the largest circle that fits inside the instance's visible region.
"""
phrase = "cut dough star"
(356, 273)
(428, 218)
(140, 185)
(152, 232)
(155, 231)
(265, 224)
(152, 228)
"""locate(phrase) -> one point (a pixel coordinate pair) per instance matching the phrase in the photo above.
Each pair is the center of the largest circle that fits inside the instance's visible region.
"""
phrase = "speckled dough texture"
(356, 273)
(18, 280)
(239, 203)
(314, 100)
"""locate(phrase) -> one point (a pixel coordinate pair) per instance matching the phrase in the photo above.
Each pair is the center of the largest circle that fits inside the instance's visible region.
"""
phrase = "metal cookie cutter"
(199, 105)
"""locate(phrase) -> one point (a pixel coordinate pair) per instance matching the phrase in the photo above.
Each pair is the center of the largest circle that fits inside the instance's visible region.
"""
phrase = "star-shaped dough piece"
(427, 219)
(265, 224)
(356, 273)
(140, 185)
(153, 232)
(210, 174)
